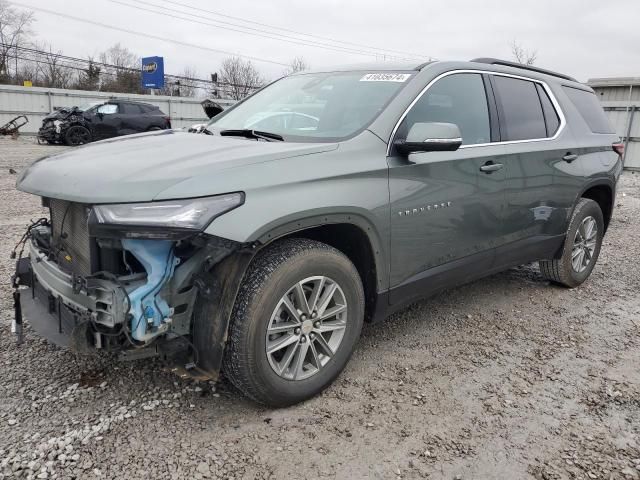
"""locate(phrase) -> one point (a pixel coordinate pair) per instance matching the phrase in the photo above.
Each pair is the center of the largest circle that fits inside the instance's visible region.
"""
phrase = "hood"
(61, 113)
(138, 168)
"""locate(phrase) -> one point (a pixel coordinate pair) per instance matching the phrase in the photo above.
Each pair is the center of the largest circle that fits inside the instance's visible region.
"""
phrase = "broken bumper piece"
(102, 310)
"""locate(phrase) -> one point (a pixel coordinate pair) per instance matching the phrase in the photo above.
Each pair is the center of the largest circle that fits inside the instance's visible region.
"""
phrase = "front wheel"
(296, 320)
(77, 135)
(581, 246)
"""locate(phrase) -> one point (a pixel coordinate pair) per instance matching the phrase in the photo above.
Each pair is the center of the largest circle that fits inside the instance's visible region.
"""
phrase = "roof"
(492, 64)
(520, 66)
(372, 66)
(124, 100)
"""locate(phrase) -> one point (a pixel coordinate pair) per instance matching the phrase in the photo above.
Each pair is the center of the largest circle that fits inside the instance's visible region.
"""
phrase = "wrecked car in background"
(79, 125)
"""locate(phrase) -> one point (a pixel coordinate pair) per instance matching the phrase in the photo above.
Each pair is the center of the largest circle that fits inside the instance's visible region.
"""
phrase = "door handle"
(569, 157)
(491, 167)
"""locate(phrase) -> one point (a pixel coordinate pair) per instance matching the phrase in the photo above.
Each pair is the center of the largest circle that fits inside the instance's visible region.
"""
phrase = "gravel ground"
(506, 378)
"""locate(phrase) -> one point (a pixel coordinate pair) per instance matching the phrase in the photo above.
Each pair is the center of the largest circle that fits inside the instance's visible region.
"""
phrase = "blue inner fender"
(149, 311)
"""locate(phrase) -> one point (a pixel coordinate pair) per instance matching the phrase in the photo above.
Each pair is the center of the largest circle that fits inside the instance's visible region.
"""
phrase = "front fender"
(319, 217)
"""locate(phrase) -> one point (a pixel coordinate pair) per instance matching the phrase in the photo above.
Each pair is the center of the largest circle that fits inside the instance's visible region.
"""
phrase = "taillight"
(618, 148)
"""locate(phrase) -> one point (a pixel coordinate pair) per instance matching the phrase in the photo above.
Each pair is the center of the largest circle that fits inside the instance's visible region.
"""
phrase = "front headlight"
(193, 214)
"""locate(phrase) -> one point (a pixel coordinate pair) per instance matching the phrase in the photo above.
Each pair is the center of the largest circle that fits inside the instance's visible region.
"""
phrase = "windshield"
(315, 106)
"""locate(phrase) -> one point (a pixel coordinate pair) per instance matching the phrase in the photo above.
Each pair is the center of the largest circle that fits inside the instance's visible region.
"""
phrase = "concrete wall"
(620, 99)
(35, 103)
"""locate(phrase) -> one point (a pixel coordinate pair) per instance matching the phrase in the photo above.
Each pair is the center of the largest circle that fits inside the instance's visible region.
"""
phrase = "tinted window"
(148, 108)
(521, 115)
(550, 115)
(131, 109)
(459, 99)
(590, 109)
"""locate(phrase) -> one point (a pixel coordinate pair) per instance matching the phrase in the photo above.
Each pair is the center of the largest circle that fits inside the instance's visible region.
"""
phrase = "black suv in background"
(80, 125)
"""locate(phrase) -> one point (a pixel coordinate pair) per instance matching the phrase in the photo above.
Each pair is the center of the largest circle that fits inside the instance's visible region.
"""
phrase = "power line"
(53, 59)
(379, 49)
(76, 60)
(252, 31)
(209, 86)
(146, 35)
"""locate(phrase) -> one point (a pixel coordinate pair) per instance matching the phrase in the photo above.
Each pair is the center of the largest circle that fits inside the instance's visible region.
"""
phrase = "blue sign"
(153, 72)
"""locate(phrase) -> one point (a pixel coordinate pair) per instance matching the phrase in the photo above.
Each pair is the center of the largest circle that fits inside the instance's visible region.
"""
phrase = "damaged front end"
(55, 125)
(140, 279)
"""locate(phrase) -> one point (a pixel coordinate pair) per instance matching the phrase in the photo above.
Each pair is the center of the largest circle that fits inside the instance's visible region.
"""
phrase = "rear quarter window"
(153, 110)
(131, 109)
(590, 109)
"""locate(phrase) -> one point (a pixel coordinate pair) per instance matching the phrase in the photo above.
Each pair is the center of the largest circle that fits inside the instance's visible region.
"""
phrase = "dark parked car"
(79, 125)
(262, 251)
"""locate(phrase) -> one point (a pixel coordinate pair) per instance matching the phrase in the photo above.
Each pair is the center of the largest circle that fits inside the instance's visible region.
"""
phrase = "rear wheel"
(298, 315)
(581, 247)
(77, 135)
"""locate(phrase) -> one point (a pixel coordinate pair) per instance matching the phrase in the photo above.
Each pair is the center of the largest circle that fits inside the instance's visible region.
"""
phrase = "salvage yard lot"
(506, 378)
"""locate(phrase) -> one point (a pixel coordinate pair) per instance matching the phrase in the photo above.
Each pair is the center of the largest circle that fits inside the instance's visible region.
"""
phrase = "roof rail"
(506, 63)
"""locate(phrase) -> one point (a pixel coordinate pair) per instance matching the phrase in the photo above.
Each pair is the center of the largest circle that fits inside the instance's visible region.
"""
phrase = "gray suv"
(260, 245)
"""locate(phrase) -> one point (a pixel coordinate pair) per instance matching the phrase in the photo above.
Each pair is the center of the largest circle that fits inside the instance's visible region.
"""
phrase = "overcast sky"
(583, 38)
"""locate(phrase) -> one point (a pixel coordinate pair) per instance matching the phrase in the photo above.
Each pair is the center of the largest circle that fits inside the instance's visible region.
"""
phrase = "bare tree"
(298, 64)
(189, 85)
(27, 71)
(53, 71)
(240, 76)
(522, 55)
(182, 87)
(124, 74)
(14, 28)
(89, 78)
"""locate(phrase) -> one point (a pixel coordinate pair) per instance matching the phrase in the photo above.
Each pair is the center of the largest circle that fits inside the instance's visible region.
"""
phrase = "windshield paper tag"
(385, 77)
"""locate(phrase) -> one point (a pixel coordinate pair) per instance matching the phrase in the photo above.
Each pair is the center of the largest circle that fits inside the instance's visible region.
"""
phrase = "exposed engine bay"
(115, 290)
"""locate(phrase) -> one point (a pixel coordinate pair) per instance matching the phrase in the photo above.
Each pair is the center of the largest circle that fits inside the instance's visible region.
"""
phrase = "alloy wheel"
(584, 244)
(78, 136)
(306, 328)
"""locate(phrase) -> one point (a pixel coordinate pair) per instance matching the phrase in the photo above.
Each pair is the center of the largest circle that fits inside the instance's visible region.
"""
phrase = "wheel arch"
(603, 193)
(351, 234)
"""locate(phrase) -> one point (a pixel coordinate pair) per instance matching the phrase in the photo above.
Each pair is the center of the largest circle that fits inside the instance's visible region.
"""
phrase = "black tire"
(270, 276)
(561, 270)
(77, 135)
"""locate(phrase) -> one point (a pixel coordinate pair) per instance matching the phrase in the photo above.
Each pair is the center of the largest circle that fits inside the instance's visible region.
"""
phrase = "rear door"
(134, 119)
(532, 129)
(445, 211)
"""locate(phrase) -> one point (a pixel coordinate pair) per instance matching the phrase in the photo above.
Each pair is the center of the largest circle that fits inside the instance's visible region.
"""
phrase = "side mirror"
(431, 137)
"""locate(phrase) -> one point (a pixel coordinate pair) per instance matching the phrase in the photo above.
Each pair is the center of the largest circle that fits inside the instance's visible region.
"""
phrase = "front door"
(446, 210)
(106, 121)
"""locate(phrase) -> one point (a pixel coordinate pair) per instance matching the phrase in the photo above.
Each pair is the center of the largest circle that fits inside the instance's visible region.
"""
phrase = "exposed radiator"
(70, 234)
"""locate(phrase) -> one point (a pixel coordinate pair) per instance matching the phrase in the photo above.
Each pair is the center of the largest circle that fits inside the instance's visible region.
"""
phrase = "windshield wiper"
(248, 133)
